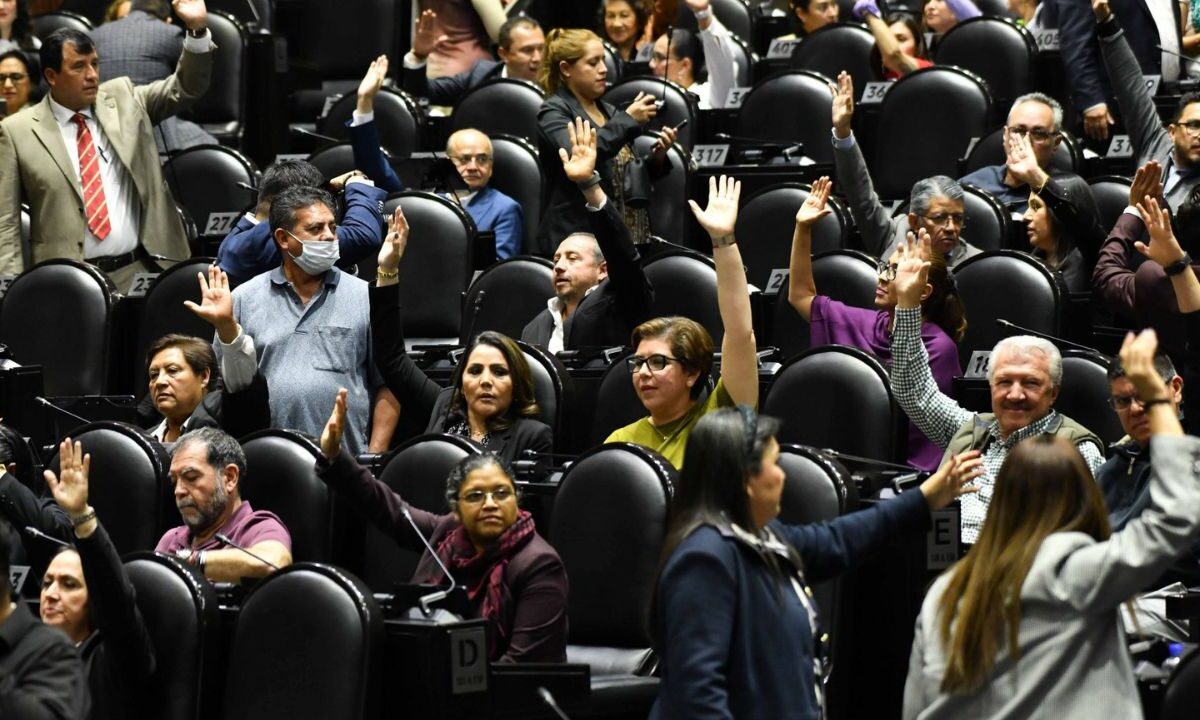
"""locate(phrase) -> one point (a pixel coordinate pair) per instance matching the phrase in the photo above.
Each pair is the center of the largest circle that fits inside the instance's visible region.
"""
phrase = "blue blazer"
(495, 211)
(450, 89)
(734, 638)
(249, 250)
(369, 157)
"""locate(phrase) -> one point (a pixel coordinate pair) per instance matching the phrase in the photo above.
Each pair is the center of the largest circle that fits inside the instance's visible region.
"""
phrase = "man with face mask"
(311, 326)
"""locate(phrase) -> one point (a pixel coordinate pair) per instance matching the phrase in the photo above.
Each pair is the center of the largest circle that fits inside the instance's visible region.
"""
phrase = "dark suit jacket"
(369, 157)
(607, 316)
(450, 89)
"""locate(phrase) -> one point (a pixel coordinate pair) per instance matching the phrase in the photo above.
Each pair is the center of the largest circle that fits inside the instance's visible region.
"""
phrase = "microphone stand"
(425, 601)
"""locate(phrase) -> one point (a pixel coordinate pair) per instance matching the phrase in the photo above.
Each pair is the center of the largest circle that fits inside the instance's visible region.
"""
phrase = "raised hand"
(843, 104)
(720, 217)
(370, 84)
(1146, 182)
(643, 108)
(216, 303)
(394, 243)
(1163, 249)
(1137, 359)
(865, 8)
(331, 436)
(1096, 122)
(339, 183)
(70, 488)
(953, 479)
(581, 162)
(427, 38)
(912, 269)
(192, 13)
(814, 207)
(1022, 162)
(1101, 10)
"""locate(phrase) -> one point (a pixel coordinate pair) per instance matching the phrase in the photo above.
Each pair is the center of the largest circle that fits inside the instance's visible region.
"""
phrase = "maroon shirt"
(246, 527)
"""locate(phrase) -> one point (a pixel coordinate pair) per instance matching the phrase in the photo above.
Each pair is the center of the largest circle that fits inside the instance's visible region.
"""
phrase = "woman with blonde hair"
(1027, 624)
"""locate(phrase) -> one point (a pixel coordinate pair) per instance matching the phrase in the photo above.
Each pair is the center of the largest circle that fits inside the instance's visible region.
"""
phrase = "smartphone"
(681, 125)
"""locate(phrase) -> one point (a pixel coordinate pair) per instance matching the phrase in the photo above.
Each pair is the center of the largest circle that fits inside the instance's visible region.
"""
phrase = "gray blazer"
(881, 232)
(1074, 663)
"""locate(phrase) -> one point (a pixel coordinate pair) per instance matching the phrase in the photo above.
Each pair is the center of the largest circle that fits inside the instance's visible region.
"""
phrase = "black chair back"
(251, 13)
(517, 172)
(987, 284)
(552, 387)
(205, 180)
(858, 415)
(434, 275)
(506, 106)
(322, 42)
(1085, 392)
(128, 483)
(47, 23)
(791, 107)
(26, 232)
(182, 617)
(1067, 157)
(613, 63)
(745, 59)
(767, 221)
(221, 110)
(281, 476)
(608, 527)
(396, 117)
(685, 283)
(737, 17)
(306, 621)
(848, 276)
(997, 49)
(837, 47)
(163, 312)
(334, 160)
(617, 402)
(416, 471)
(929, 117)
(1183, 691)
(669, 210)
(679, 105)
(506, 296)
(32, 313)
(1111, 193)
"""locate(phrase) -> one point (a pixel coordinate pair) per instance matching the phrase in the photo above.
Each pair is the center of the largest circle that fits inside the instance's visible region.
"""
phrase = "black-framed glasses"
(1121, 403)
(1192, 126)
(477, 497)
(886, 270)
(1038, 135)
(480, 159)
(944, 219)
(656, 362)
(14, 77)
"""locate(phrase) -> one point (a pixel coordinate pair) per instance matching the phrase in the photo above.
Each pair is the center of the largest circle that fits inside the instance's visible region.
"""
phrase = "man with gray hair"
(597, 301)
(935, 204)
(221, 535)
(1025, 375)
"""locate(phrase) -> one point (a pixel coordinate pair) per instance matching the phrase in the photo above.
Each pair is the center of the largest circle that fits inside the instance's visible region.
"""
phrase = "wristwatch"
(1179, 265)
(197, 33)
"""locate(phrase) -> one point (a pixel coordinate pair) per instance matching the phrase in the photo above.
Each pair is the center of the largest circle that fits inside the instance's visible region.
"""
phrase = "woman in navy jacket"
(734, 619)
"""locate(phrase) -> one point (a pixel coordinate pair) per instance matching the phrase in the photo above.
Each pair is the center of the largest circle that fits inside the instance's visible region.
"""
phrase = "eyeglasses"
(656, 362)
(480, 159)
(1192, 126)
(1121, 403)
(1037, 135)
(658, 58)
(476, 497)
(14, 77)
(944, 219)
(886, 270)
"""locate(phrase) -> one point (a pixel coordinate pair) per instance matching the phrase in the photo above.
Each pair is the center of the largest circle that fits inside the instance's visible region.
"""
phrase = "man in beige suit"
(85, 161)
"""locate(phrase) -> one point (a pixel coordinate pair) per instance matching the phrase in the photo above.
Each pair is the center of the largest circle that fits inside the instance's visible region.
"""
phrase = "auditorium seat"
(1182, 696)
(436, 268)
(254, 14)
(396, 118)
(617, 403)
(987, 284)
(836, 47)
(928, 117)
(848, 276)
(59, 314)
(737, 17)
(334, 160)
(613, 63)
(685, 283)
(669, 211)
(26, 251)
(221, 111)
(1067, 157)
(47, 23)
(307, 644)
(608, 527)
(838, 397)
(1112, 197)
(552, 386)
(679, 105)
(417, 471)
(506, 296)
(129, 485)
(27, 459)
(281, 476)
(517, 172)
(506, 106)
(791, 107)
(1085, 392)
(745, 59)
(767, 221)
(179, 608)
(205, 180)
(163, 312)
(1001, 52)
(989, 225)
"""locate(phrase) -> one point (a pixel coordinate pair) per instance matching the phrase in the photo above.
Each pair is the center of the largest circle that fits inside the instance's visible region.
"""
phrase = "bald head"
(471, 153)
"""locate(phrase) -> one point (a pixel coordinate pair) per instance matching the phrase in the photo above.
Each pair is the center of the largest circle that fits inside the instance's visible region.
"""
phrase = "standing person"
(1037, 597)
(465, 32)
(701, 62)
(521, 43)
(573, 76)
(734, 619)
(84, 159)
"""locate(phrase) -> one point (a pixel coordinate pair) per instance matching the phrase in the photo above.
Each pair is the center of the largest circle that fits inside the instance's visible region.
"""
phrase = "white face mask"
(316, 256)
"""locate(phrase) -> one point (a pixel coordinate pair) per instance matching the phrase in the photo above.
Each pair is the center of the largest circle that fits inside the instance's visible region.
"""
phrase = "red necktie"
(89, 177)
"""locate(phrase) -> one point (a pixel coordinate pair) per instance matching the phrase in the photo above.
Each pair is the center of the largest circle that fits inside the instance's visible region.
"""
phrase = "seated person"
(621, 23)
(16, 82)
(1037, 118)
(471, 153)
(24, 508)
(490, 399)
(939, 16)
(182, 378)
(87, 594)
(899, 42)
(707, 68)
(600, 289)
(812, 15)
(206, 468)
(249, 250)
(942, 319)
(1025, 376)
(673, 355)
(1062, 225)
(520, 50)
(514, 579)
(936, 203)
(40, 672)
(364, 135)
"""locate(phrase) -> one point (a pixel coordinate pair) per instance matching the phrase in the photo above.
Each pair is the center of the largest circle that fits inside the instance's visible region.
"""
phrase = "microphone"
(247, 186)
(164, 258)
(46, 403)
(33, 532)
(474, 316)
(1178, 55)
(786, 148)
(1056, 340)
(225, 539)
(309, 133)
(427, 600)
(872, 462)
(254, 12)
(547, 698)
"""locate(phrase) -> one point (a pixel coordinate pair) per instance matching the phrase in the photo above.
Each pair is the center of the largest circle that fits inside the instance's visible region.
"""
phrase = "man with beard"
(206, 468)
